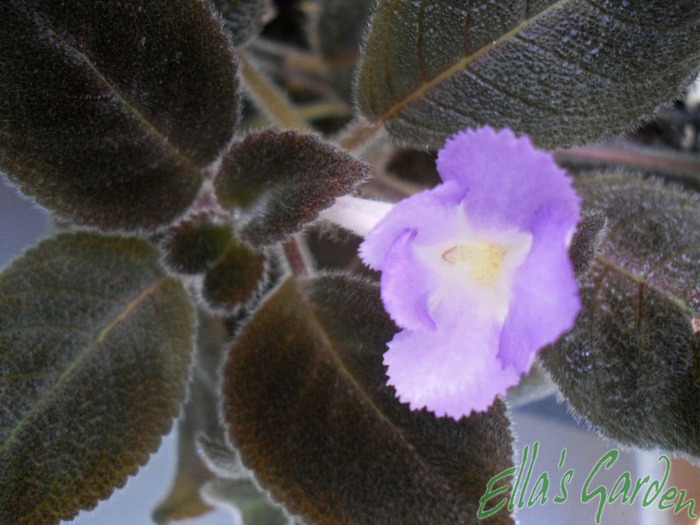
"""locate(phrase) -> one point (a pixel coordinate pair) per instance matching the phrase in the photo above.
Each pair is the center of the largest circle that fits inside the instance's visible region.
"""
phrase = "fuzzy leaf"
(632, 364)
(276, 182)
(95, 348)
(339, 26)
(110, 111)
(236, 277)
(244, 18)
(193, 245)
(562, 71)
(307, 406)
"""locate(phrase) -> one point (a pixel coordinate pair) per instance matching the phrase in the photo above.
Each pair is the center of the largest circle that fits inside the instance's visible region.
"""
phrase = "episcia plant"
(250, 235)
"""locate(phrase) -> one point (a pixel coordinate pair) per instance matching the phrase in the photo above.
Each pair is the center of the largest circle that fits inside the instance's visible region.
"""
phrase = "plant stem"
(296, 258)
(358, 134)
(647, 158)
(270, 99)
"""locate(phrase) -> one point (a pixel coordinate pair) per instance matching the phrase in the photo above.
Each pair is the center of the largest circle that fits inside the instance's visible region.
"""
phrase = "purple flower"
(476, 272)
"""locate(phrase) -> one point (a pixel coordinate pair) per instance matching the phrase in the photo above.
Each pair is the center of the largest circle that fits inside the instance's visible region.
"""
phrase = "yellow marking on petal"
(484, 260)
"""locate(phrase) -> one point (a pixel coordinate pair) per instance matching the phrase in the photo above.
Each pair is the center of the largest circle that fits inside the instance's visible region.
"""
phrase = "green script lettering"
(490, 493)
(542, 493)
(646, 502)
(638, 485)
(669, 495)
(607, 459)
(624, 491)
(561, 499)
(690, 503)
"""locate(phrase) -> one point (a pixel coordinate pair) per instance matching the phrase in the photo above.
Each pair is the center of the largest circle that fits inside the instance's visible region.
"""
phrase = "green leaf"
(111, 111)
(95, 346)
(193, 245)
(307, 407)
(235, 278)
(562, 71)
(277, 182)
(244, 18)
(631, 366)
(338, 28)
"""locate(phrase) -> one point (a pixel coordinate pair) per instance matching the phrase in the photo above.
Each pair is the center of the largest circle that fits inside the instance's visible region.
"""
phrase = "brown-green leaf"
(193, 245)
(95, 346)
(631, 366)
(110, 111)
(277, 182)
(562, 71)
(307, 405)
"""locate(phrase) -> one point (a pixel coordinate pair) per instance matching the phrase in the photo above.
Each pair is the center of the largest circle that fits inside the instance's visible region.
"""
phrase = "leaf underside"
(631, 366)
(113, 106)
(564, 72)
(94, 355)
(307, 407)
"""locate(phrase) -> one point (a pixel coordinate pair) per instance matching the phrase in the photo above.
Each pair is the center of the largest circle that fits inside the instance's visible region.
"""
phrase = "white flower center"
(478, 266)
(484, 260)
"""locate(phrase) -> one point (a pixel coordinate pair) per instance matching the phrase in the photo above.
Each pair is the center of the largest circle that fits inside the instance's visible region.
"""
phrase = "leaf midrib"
(317, 326)
(101, 336)
(122, 100)
(644, 280)
(393, 110)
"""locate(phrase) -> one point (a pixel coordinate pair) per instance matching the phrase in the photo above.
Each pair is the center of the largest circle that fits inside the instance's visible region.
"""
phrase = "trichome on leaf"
(631, 366)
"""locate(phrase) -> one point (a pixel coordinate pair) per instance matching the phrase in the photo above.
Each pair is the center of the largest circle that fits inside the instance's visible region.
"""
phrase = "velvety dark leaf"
(200, 415)
(631, 366)
(194, 244)
(562, 71)
(276, 182)
(339, 26)
(110, 111)
(244, 18)
(95, 346)
(307, 406)
(235, 278)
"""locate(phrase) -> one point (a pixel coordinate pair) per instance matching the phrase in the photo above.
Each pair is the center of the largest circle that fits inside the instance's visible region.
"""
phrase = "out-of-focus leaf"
(631, 366)
(95, 345)
(562, 71)
(194, 244)
(339, 26)
(110, 111)
(244, 18)
(276, 182)
(244, 496)
(200, 415)
(307, 405)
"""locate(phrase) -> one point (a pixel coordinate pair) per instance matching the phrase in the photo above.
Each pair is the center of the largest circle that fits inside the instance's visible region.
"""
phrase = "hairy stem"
(296, 257)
